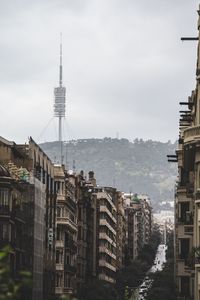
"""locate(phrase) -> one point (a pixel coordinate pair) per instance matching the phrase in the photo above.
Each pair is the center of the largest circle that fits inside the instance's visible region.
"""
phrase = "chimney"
(91, 178)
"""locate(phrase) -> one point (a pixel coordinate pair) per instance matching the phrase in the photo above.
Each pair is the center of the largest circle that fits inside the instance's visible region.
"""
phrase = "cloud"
(125, 68)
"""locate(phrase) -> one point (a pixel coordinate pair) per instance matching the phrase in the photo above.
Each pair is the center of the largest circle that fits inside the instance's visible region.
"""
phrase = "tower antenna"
(59, 103)
(60, 75)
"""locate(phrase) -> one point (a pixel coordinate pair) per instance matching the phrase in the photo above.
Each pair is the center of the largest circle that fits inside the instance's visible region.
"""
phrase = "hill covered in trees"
(137, 167)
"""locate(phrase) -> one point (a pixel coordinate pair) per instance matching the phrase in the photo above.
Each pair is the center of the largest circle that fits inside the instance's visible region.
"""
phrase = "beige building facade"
(138, 213)
(187, 198)
(66, 232)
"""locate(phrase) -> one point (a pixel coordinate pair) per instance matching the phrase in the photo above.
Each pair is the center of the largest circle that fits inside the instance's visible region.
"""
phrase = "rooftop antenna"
(59, 103)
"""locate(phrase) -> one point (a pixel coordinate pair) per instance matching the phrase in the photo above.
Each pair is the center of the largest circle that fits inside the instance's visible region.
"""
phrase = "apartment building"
(121, 230)
(132, 230)
(86, 238)
(62, 227)
(106, 233)
(66, 232)
(15, 230)
(101, 227)
(27, 194)
(187, 197)
(138, 214)
(147, 215)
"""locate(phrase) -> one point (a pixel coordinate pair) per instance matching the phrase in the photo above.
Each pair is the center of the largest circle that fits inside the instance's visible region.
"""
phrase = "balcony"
(181, 268)
(59, 267)
(103, 222)
(60, 197)
(103, 208)
(188, 230)
(58, 290)
(106, 278)
(104, 236)
(103, 263)
(60, 244)
(68, 290)
(103, 249)
(186, 221)
(66, 221)
(191, 134)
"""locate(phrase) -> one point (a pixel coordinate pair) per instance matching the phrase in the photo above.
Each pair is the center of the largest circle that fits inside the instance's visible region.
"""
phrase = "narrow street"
(160, 259)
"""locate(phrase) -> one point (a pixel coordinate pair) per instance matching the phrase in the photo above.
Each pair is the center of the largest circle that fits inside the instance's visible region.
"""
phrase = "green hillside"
(137, 167)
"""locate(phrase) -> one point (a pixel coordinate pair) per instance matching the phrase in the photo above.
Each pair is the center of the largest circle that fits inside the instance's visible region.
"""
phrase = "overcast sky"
(125, 68)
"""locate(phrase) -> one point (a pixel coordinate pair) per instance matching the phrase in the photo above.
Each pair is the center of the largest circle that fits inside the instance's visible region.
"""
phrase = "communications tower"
(59, 103)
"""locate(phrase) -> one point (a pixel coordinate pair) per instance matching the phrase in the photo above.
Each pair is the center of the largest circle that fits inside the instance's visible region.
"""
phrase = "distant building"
(87, 224)
(101, 231)
(121, 230)
(106, 234)
(138, 213)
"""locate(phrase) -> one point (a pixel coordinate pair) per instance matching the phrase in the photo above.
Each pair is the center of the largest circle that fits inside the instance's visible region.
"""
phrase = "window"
(4, 197)
(58, 280)
(57, 256)
(59, 235)
(184, 208)
(184, 248)
(79, 214)
(185, 286)
(67, 258)
(79, 233)
(5, 232)
(66, 280)
(58, 211)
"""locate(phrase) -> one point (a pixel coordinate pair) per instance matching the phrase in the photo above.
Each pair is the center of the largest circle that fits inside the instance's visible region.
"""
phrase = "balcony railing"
(106, 278)
(188, 230)
(68, 290)
(59, 267)
(104, 263)
(60, 197)
(104, 222)
(103, 249)
(67, 221)
(192, 133)
(104, 236)
(186, 221)
(59, 290)
(103, 208)
(59, 244)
